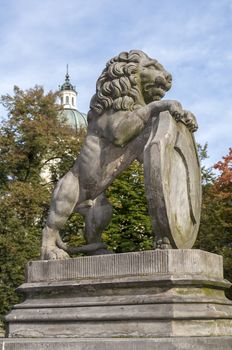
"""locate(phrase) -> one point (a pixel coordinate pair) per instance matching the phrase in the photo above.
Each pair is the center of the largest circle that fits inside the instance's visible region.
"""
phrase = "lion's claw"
(54, 253)
(177, 112)
(190, 121)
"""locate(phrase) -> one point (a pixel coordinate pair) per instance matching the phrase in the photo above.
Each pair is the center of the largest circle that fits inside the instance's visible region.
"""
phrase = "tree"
(130, 229)
(215, 234)
(33, 143)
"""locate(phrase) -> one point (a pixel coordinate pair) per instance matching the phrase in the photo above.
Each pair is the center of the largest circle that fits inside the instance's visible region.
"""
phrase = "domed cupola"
(68, 93)
(68, 97)
(67, 85)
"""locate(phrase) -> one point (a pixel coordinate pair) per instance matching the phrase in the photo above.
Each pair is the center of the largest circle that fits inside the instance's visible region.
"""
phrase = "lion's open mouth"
(149, 86)
(155, 91)
(157, 86)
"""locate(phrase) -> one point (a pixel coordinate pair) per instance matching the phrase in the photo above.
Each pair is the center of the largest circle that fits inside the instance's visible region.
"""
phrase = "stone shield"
(173, 182)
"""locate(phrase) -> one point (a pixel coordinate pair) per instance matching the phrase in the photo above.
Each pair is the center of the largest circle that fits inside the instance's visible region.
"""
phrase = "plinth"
(163, 299)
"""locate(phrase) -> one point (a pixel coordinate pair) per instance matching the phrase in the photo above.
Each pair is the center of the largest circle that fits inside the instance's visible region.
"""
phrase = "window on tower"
(73, 101)
(67, 100)
(61, 100)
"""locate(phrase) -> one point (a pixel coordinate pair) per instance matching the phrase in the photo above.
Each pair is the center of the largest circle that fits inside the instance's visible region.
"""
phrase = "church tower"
(68, 93)
(68, 99)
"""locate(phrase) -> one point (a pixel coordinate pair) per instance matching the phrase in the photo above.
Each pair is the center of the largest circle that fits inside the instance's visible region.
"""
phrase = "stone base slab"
(175, 343)
(161, 293)
(176, 262)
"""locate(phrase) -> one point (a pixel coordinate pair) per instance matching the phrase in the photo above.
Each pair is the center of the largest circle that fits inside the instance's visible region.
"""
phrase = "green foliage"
(207, 174)
(130, 229)
(32, 145)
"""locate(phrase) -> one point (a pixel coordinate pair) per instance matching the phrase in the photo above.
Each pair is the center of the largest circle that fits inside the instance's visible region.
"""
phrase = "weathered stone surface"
(155, 263)
(162, 293)
(173, 180)
(119, 329)
(175, 343)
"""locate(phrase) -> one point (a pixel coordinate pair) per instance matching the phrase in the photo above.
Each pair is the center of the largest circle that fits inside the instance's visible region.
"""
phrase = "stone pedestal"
(174, 343)
(163, 299)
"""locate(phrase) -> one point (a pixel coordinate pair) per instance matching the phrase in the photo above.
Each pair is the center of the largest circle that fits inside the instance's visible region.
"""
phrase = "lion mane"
(118, 88)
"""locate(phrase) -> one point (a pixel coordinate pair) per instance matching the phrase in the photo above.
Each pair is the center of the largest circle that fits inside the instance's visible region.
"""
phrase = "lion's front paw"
(176, 110)
(190, 121)
(179, 114)
(162, 243)
(53, 253)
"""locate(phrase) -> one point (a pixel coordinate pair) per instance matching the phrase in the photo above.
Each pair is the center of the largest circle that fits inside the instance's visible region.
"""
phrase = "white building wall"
(68, 99)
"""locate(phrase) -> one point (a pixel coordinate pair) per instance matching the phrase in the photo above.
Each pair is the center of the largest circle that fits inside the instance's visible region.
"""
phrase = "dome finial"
(67, 85)
(67, 75)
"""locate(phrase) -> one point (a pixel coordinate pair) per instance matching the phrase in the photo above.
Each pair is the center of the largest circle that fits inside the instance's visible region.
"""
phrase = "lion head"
(129, 81)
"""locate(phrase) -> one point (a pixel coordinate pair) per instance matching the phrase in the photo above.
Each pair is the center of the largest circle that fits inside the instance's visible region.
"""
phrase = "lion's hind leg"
(97, 214)
(65, 197)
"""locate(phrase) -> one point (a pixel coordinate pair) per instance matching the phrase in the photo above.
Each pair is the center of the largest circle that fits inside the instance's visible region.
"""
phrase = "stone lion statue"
(128, 96)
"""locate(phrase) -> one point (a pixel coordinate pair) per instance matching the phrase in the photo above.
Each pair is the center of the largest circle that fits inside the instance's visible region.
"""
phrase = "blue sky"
(191, 38)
